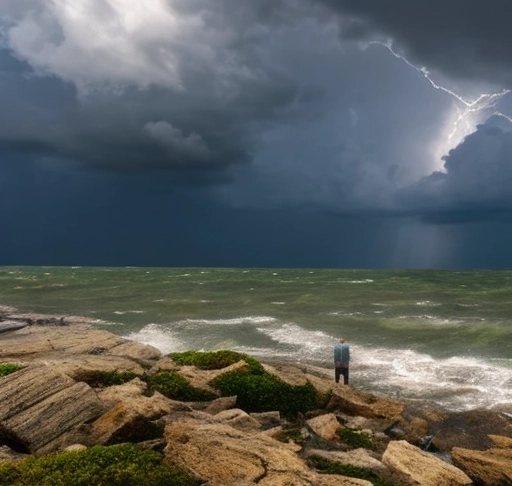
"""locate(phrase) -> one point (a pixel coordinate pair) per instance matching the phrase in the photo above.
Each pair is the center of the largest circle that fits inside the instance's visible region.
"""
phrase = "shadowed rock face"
(45, 406)
(492, 467)
(40, 407)
(469, 429)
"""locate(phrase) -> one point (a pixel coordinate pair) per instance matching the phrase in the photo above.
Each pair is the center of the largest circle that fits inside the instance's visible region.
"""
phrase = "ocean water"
(438, 336)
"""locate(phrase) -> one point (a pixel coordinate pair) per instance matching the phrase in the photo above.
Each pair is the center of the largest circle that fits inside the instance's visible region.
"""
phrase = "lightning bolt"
(465, 108)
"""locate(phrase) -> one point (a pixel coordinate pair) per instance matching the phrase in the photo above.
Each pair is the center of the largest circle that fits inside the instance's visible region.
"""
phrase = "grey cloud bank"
(295, 133)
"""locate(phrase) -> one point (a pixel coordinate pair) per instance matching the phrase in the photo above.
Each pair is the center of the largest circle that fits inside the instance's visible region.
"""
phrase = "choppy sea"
(439, 336)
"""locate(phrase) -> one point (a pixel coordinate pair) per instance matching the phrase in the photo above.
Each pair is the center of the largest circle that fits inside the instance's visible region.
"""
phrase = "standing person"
(341, 360)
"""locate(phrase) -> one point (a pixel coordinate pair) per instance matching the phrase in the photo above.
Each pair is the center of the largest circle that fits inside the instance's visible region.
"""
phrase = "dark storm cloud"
(462, 38)
(187, 92)
(226, 129)
(133, 129)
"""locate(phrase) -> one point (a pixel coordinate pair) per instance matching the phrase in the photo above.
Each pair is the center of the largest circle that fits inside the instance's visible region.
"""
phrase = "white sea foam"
(298, 343)
(229, 322)
(159, 337)
(427, 303)
(458, 383)
(120, 313)
(339, 313)
(433, 320)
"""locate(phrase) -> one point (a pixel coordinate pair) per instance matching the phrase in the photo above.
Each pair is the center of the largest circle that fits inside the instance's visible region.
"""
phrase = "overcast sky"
(312, 133)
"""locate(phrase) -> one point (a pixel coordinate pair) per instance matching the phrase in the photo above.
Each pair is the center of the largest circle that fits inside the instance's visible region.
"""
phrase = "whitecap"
(228, 322)
(160, 337)
(427, 303)
(120, 313)
(459, 383)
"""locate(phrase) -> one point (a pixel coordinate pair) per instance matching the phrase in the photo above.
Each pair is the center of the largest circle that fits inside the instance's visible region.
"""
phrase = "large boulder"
(124, 424)
(355, 402)
(43, 410)
(410, 466)
(225, 456)
(492, 467)
(132, 414)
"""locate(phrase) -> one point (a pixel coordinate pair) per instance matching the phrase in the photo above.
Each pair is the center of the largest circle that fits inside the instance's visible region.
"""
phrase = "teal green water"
(418, 333)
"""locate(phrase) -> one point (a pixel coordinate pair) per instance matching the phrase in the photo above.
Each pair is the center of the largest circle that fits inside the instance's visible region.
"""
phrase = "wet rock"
(7, 326)
(446, 439)
(412, 429)
(469, 429)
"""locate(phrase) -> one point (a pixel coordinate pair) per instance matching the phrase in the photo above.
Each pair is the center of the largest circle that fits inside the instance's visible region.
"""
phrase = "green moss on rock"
(265, 392)
(355, 438)
(8, 368)
(325, 466)
(215, 360)
(119, 465)
(172, 385)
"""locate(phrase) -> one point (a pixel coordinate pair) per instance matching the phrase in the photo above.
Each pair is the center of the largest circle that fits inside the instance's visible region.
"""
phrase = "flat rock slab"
(33, 343)
(40, 406)
(411, 466)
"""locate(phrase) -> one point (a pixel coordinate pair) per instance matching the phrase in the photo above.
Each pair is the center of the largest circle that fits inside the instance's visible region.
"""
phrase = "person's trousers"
(341, 371)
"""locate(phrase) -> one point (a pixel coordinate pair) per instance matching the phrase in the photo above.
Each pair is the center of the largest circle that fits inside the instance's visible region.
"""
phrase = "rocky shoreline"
(54, 402)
